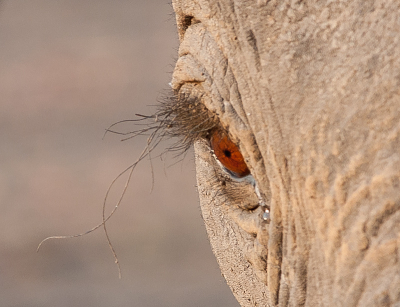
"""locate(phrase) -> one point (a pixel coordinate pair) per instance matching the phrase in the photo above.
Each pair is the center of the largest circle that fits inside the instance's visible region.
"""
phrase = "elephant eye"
(228, 154)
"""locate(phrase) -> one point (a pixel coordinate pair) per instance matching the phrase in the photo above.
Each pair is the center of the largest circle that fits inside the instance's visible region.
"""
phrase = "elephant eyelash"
(181, 116)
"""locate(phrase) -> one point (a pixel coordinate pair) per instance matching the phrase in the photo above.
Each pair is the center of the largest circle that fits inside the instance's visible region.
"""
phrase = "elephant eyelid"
(183, 116)
(179, 115)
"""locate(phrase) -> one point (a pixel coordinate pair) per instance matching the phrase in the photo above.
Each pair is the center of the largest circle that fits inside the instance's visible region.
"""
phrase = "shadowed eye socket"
(228, 154)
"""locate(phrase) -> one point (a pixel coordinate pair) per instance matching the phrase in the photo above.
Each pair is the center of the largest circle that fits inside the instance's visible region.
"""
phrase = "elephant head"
(296, 128)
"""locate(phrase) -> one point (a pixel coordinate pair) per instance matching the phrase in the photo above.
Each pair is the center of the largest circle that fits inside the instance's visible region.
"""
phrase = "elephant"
(296, 128)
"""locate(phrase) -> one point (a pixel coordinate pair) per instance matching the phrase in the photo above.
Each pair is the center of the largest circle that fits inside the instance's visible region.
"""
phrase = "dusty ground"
(68, 69)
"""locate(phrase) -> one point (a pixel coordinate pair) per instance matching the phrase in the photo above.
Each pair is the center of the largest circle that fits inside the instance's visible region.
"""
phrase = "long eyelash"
(179, 115)
(183, 116)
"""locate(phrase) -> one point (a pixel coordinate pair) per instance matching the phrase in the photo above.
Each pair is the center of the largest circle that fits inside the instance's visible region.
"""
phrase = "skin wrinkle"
(275, 289)
(225, 114)
(184, 72)
(249, 221)
(222, 119)
(237, 73)
(315, 141)
(300, 250)
(193, 46)
(212, 212)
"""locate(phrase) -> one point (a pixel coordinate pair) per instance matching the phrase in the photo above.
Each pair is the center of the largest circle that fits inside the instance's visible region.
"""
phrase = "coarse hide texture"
(310, 92)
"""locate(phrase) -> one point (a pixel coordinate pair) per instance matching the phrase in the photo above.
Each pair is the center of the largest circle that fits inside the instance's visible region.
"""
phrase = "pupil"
(227, 153)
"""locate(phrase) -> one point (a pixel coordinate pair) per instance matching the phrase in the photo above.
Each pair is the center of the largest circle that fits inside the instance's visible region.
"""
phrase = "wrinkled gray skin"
(309, 90)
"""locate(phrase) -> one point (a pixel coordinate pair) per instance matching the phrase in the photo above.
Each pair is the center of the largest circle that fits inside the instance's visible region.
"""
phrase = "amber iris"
(228, 154)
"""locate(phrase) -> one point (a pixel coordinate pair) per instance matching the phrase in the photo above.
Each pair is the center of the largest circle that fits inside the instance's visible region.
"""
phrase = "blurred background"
(68, 70)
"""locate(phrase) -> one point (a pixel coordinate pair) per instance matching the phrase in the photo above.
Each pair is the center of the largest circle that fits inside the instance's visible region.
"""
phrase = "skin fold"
(309, 91)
